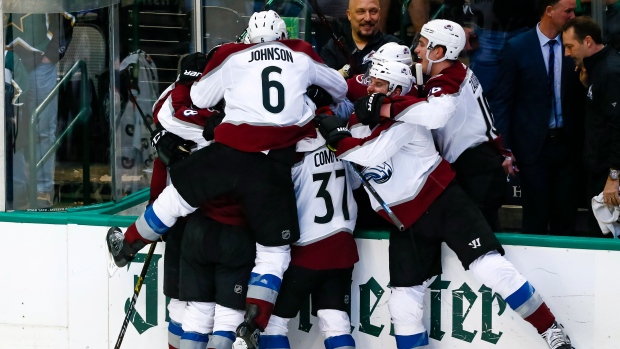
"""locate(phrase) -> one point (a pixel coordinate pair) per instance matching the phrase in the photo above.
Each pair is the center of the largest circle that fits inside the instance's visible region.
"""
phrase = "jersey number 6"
(268, 85)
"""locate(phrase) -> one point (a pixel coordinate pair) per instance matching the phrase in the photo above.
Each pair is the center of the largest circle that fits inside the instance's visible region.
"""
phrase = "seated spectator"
(361, 40)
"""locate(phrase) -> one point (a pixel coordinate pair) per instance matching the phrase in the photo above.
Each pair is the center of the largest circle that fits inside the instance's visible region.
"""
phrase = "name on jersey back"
(271, 54)
(324, 157)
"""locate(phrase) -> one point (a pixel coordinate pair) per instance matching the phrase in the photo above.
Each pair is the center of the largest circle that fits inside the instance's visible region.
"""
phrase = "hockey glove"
(332, 129)
(248, 331)
(212, 121)
(319, 96)
(170, 147)
(368, 108)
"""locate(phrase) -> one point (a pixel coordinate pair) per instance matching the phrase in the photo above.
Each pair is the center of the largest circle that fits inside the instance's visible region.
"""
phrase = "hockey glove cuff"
(368, 109)
(319, 96)
(170, 147)
(332, 129)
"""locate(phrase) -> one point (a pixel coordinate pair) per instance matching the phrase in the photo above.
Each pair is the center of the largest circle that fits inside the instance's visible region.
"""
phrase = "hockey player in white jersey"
(322, 259)
(404, 167)
(466, 138)
(264, 84)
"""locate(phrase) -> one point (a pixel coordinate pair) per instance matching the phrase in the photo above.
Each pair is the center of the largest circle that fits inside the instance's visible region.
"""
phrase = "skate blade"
(240, 344)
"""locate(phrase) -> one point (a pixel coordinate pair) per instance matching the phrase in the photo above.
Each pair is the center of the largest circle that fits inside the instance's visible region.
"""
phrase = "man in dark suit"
(537, 111)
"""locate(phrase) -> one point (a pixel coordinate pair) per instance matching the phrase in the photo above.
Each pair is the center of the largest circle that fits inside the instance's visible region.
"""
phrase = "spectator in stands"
(612, 24)
(494, 23)
(611, 33)
(600, 72)
(536, 106)
(40, 41)
(362, 39)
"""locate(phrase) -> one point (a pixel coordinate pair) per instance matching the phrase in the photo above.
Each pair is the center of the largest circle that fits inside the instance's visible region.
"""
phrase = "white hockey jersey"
(324, 191)
(457, 129)
(401, 163)
(263, 85)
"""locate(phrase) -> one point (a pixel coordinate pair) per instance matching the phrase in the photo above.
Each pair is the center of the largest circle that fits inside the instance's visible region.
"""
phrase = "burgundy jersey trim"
(338, 251)
(409, 212)
(229, 49)
(254, 139)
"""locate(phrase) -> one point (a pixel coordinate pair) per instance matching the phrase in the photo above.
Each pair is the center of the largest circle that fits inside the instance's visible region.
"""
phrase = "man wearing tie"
(537, 111)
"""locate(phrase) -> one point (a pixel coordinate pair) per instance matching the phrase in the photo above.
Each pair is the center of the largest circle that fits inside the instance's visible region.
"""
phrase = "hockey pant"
(406, 304)
(209, 325)
(266, 279)
(334, 325)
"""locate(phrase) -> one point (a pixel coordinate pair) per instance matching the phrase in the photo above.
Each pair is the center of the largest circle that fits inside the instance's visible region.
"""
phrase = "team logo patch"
(286, 234)
(368, 57)
(363, 79)
(449, 27)
(379, 174)
(238, 289)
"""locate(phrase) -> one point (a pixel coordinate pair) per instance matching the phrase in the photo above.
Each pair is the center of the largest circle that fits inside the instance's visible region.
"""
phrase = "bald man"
(361, 39)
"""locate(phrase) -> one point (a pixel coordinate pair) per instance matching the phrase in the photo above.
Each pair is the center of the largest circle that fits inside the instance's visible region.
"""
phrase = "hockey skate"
(121, 251)
(556, 338)
(248, 332)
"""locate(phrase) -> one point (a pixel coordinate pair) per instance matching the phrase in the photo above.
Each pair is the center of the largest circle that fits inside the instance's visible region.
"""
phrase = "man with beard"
(362, 40)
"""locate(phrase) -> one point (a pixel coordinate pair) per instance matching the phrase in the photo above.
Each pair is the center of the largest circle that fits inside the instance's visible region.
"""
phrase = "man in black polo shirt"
(362, 39)
(600, 72)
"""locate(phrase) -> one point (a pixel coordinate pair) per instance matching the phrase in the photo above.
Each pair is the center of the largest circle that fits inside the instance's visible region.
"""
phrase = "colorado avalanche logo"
(379, 174)
(449, 27)
(368, 57)
(363, 79)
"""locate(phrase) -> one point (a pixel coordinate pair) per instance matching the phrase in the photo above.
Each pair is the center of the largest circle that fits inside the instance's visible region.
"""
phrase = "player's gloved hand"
(319, 96)
(248, 331)
(333, 129)
(209, 129)
(345, 70)
(368, 108)
(170, 147)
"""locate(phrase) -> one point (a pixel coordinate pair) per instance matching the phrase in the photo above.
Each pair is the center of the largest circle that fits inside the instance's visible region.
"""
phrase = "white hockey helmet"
(395, 73)
(266, 26)
(393, 52)
(441, 32)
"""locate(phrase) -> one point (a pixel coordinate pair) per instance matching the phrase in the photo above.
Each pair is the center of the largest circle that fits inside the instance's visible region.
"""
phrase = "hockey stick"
(419, 79)
(374, 193)
(136, 292)
(135, 102)
(338, 40)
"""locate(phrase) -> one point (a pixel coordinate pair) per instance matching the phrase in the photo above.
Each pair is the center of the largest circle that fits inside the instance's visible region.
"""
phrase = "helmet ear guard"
(265, 26)
(395, 73)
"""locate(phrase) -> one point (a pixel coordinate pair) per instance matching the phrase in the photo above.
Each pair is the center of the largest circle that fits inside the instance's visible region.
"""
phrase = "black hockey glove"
(319, 96)
(170, 147)
(212, 121)
(248, 331)
(332, 129)
(368, 108)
